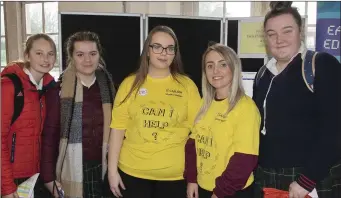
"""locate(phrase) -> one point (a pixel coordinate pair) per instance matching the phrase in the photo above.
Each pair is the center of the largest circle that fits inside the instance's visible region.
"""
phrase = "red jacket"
(28, 128)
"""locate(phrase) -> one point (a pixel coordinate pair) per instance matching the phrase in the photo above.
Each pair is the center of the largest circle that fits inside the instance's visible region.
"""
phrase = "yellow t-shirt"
(157, 123)
(218, 137)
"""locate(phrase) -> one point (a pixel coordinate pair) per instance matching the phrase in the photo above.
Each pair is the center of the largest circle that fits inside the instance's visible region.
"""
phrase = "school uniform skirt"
(281, 178)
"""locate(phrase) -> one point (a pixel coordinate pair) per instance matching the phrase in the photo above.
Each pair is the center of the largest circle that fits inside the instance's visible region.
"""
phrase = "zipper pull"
(263, 131)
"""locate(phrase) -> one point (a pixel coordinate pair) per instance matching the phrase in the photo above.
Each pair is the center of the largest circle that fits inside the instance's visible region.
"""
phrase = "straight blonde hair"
(235, 91)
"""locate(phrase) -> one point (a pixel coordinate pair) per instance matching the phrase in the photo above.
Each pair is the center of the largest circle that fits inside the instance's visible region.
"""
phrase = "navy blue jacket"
(302, 128)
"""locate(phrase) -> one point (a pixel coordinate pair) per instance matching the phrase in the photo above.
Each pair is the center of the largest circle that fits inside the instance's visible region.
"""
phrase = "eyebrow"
(222, 60)
(270, 31)
(85, 52)
(39, 50)
(286, 27)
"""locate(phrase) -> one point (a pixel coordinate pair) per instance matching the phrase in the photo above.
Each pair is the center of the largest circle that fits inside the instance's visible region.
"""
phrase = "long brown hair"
(142, 72)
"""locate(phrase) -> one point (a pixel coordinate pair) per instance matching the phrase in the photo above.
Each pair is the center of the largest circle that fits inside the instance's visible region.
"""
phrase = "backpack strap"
(18, 96)
(308, 69)
(260, 74)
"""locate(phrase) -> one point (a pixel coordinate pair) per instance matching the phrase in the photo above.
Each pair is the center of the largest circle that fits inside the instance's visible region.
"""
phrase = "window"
(238, 9)
(43, 18)
(308, 9)
(233, 9)
(211, 9)
(300, 5)
(3, 39)
(312, 10)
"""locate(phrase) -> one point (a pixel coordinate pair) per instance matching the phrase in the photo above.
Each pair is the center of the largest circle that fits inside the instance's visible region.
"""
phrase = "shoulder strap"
(308, 69)
(260, 74)
(18, 96)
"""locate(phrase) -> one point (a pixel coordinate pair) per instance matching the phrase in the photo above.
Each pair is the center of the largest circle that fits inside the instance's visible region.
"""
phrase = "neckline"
(159, 79)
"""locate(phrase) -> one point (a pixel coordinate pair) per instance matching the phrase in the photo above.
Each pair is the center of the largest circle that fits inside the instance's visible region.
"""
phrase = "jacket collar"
(18, 69)
(271, 65)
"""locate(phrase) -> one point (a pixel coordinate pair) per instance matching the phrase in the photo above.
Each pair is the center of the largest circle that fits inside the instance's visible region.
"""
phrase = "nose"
(45, 58)
(279, 39)
(215, 69)
(164, 51)
(87, 58)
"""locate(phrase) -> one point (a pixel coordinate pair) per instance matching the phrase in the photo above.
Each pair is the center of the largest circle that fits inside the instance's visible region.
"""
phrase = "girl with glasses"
(152, 116)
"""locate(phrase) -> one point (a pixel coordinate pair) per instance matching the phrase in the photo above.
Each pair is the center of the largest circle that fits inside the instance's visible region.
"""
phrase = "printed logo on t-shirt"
(143, 91)
(221, 117)
(173, 92)
(155, 119)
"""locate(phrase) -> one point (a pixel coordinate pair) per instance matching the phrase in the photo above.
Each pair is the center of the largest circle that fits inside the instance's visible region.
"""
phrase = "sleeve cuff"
(191, 179)
(219, 193)
(305, 182)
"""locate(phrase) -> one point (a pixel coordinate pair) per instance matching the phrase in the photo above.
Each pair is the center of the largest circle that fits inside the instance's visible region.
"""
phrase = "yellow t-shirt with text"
(217, 137)
(157, 120)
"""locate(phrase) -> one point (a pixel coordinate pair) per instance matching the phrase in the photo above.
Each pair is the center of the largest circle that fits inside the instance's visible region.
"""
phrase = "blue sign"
(328, 35)
(328, 30)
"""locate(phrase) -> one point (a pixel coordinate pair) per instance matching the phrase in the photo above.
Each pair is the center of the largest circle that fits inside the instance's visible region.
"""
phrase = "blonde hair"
(29, 45)
(235, 91)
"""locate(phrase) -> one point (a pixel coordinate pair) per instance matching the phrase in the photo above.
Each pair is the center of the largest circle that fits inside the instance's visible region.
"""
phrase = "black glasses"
(158, 49)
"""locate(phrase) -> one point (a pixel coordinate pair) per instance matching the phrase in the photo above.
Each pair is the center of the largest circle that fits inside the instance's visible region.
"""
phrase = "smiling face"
(86, 57)
(41, 56)
(282, 36)
(218, 73)
(161, 51)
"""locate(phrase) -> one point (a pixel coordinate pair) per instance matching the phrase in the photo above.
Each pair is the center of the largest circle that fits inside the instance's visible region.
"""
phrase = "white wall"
(90, 6)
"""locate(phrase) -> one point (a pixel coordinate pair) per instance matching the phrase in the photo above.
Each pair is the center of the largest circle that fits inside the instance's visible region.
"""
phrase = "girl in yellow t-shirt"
(153, 113)
(222, 151)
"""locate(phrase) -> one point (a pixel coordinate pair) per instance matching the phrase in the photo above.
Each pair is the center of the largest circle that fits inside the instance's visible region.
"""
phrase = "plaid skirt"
(281, 179)
(93, 185)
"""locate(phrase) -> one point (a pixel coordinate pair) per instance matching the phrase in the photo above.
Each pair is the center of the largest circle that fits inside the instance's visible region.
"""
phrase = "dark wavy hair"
(283, 7)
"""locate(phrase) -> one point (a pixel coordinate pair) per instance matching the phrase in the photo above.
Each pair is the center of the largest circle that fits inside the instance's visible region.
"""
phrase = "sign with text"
(328, 29)
(251, 39)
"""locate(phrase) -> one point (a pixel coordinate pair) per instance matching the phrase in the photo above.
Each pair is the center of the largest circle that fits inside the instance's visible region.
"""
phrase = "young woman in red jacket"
(21, 127)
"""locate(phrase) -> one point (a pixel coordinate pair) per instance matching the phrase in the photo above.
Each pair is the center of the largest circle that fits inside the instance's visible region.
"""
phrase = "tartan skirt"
(281, 178)
(93, 185)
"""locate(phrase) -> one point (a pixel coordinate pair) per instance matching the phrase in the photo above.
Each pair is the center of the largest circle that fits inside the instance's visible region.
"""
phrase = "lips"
(46, 65)
(217, 77)
(162, 60)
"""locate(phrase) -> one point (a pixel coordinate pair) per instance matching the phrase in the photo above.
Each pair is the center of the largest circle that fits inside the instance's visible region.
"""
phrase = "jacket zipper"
(40, 132)
(13, 147)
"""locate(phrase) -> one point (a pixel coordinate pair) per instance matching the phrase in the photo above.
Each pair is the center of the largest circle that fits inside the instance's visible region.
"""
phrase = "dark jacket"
(302, 128)
(92, 131)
